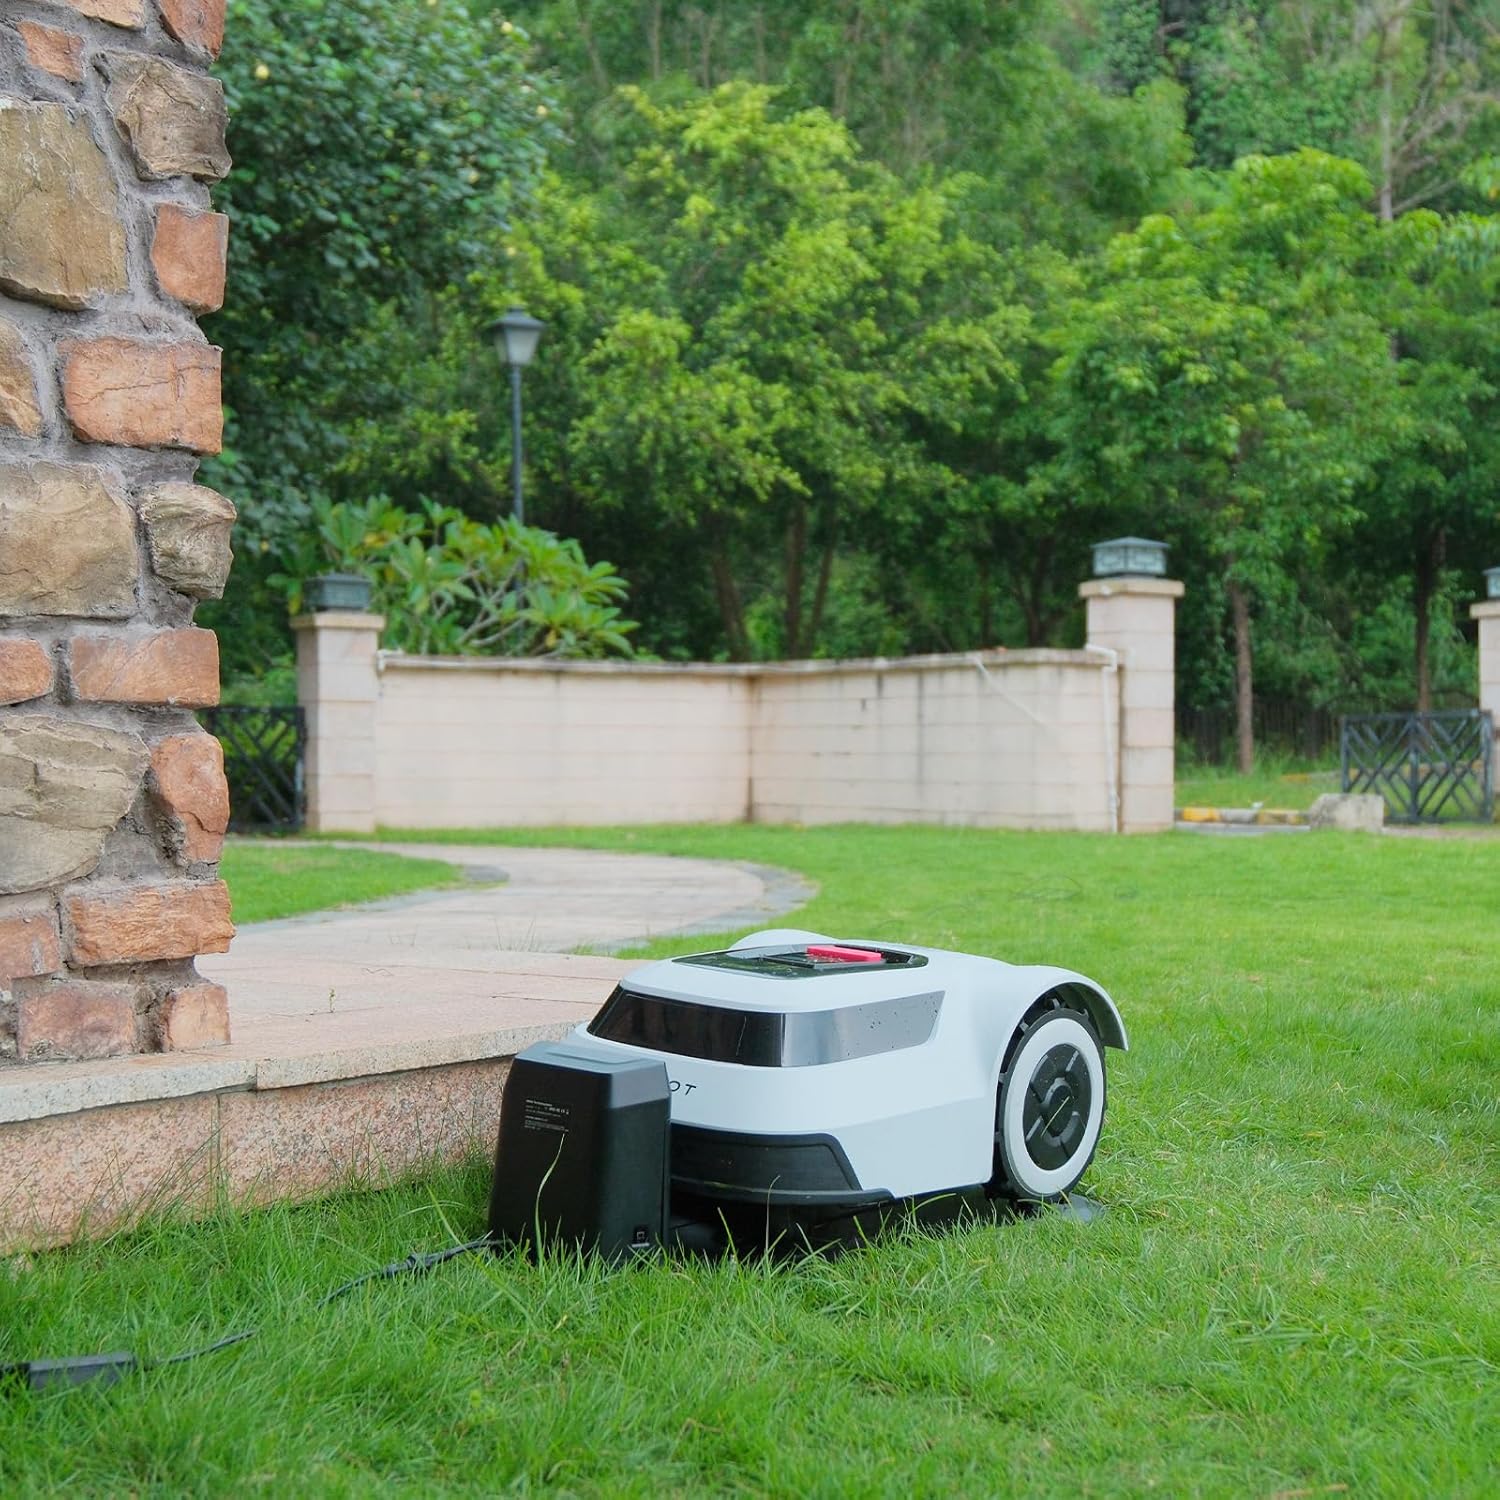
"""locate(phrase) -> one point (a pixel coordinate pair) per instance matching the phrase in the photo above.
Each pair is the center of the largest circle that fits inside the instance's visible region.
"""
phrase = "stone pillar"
(112, 801)
(1487, 612)
(338, 686)
(1136, 618)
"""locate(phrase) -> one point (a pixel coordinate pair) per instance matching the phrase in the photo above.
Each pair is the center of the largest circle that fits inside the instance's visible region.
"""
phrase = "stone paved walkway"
(453, 975)
(425, 981)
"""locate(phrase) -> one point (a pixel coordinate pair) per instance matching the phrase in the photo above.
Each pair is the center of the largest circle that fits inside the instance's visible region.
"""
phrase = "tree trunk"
(1425, 578)
(653, 39)
(1038, 620)
(706, 50)
(986, 598)
(796, 554)
(1385, 72)
(843, 68)
(731, 607)
(820, 594)
(1244, 687)
(596, 61)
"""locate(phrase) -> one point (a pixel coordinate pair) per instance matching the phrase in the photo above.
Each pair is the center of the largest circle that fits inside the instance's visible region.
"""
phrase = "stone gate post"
(338, 687)
(1136, 619)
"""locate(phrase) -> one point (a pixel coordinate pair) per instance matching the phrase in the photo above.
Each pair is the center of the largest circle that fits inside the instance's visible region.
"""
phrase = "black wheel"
(1050, 1107)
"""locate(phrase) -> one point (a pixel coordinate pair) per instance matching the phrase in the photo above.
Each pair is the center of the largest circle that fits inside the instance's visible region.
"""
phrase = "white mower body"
(834, 1083)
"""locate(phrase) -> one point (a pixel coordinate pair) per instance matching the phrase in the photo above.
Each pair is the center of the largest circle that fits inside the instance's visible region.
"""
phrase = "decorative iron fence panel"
(264, 750)
(1426, 766)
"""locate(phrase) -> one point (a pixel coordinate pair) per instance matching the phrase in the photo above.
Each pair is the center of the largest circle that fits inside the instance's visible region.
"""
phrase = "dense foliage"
(451, 586)
(865, 319)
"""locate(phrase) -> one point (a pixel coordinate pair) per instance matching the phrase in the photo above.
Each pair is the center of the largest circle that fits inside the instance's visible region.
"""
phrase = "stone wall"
(112, 800)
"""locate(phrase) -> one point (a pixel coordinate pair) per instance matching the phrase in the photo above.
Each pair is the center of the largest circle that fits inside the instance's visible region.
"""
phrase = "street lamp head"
(1130, 557)
(516, 336)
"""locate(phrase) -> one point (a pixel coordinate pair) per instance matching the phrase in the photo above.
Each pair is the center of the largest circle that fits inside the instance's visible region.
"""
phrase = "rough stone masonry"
(113, 803)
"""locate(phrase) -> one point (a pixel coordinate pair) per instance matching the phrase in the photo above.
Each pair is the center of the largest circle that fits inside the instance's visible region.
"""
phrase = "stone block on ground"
(95, 1170)
(171, 667)
(188, 785)
(67, 544)
(25, 670)
(187, 529)
(74, 1018)
(63, 786)
(172, 120)
(1353, 812)
(62, 240)
(144, 395)
(139, 923)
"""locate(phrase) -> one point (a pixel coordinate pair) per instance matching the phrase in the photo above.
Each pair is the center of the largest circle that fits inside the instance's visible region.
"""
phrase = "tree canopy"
(866, 317)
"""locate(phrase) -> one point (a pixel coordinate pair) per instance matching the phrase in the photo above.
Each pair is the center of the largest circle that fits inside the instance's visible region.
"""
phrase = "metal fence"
(264, 753)
(1427, 766)
(1285, 728)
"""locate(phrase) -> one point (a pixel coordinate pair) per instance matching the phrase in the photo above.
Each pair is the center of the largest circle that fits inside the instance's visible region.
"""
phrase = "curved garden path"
(480, 971)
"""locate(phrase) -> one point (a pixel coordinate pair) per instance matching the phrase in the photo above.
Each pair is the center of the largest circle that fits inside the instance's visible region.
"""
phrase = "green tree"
(377, 145)
(1436, 496)
(927, 88)
(741, 321)
(1408, 88)
(1228, 370)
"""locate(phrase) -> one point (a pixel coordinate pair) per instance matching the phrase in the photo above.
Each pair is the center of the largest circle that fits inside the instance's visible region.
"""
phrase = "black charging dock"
(582, 1159)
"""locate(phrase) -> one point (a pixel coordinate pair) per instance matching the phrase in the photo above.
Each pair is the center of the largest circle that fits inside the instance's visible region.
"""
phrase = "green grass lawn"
(269, 879)
(1213, 786)
(1294, 1289)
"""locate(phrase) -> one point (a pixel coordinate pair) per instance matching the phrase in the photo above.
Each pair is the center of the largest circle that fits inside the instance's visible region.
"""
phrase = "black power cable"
(106, 1369)
(412, 1263)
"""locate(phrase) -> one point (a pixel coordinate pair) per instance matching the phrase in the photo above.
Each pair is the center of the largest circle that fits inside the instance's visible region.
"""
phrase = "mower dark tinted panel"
(762, 1039)
(751, 1038)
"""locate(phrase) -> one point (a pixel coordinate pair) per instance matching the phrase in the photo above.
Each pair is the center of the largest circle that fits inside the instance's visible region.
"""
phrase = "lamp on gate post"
(1492, 583)
(1130, 557)
(516, 336)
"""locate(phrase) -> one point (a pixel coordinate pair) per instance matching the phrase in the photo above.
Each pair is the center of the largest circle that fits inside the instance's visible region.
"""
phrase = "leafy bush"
(451, 586)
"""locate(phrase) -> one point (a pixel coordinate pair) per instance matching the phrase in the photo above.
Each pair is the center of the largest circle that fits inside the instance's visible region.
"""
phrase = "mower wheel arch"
(1097, 1006)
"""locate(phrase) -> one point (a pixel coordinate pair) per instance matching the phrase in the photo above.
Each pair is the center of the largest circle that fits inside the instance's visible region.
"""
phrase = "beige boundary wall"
(1018, 739)
(981, 740)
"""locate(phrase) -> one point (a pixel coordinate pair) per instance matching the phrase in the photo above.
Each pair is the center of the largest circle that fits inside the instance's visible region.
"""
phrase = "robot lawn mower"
(799, 1085)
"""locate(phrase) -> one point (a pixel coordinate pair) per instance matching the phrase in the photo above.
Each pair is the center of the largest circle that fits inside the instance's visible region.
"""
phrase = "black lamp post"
(516, 336)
